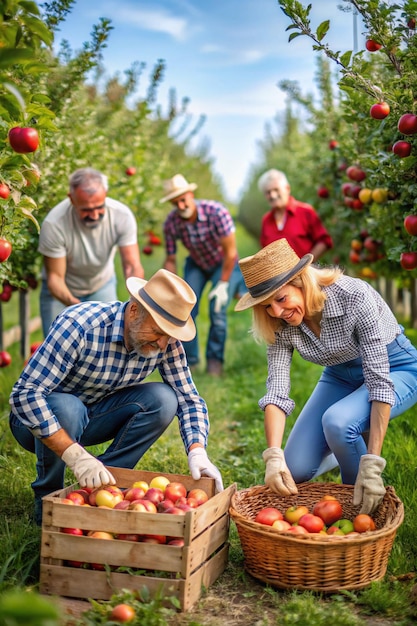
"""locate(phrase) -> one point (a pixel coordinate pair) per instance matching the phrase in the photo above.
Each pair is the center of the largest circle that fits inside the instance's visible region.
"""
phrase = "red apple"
(323, 192)
(379, 111)
(33, 347)
(122, 613)
(72, 531)
(354, 172)
(297, 530)
(4, 191)
(333, 144)
(408, 261)
(372, 45)
(329, 510)
(411, 23)
(334, 530)
(164, 505)
(23, 140)
(123, 505)
(363, 523)
(134, 493)
(77, 497)
(130, 171)
(268, 515)
(154, 494)
(5, 249)
(5, 358)
(402, 149)
(153, 538)
(175, 490)
(175, 510)
(147, 250)
(198, 494)
(149, 506)
(407, 124)
(312, 523)
(410, 224)
(176, 541)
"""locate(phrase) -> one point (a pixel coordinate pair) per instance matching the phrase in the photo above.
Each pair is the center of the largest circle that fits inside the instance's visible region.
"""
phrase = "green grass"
(235, 445)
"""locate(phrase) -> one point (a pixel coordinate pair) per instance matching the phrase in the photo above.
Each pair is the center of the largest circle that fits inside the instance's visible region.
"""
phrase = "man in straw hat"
(207, 231)
(369, 376)
(85, 386)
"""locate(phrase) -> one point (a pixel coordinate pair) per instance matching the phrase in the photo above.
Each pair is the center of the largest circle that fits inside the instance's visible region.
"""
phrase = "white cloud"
(157, 21)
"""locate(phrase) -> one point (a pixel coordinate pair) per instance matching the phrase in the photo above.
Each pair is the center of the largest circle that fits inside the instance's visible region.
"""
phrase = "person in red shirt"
(297, 221)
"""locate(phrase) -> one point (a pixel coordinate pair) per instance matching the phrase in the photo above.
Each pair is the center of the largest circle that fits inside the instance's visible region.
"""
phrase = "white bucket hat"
(169, 300)
(176, 186)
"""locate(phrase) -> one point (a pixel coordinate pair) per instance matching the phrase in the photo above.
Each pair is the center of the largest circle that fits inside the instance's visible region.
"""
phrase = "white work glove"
(277, 475)
(221, 293)
(369, 487)
(199, 465)
(89, 471)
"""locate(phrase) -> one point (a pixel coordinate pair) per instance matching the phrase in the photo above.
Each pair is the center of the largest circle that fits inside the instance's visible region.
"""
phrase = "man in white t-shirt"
(79, 239)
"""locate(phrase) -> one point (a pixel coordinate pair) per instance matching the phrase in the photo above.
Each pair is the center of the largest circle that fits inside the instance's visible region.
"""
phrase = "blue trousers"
(134, 418)
(198, 278)
(50, 307)
(329, 430)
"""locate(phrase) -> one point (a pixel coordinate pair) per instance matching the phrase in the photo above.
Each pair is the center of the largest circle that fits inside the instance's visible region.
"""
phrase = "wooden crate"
(164, 569)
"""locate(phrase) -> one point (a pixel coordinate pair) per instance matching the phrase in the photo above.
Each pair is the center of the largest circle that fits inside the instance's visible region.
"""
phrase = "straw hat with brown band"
(169, 300)
(268, 270)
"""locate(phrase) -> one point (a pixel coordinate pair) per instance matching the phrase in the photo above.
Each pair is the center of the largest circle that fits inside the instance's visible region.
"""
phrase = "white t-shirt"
(89, 251)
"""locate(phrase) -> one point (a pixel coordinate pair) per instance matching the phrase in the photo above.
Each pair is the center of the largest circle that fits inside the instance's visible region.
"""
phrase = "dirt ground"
(233, 600)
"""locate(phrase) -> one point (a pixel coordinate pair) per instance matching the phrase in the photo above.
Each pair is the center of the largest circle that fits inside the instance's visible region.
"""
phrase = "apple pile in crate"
(324, 518)
(159, 496)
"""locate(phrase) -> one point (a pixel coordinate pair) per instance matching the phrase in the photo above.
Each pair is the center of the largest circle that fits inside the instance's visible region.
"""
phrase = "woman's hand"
(277, 475)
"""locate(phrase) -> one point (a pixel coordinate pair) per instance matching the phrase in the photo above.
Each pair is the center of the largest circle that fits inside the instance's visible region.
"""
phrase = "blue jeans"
(134, 418)
(198, 278)
(50, 307)
(329, 430)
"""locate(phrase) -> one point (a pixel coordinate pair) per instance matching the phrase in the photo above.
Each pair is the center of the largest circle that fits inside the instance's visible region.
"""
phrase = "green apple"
(345, 525)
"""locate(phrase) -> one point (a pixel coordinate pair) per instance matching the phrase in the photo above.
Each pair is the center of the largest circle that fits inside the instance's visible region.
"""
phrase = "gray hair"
(88, 179)
(271, 176)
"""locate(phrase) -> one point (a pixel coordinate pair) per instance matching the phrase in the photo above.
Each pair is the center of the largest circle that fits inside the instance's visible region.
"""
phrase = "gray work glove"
(89, 471)
(199, 465)
(221, 293)
(277, 475)
(369, 487)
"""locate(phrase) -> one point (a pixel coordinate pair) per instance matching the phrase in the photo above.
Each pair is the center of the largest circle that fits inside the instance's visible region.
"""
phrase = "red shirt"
(302, 229)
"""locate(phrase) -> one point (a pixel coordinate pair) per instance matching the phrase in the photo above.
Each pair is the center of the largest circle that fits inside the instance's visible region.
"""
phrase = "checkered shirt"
(356, 322)
(84, 355)
(202, 237)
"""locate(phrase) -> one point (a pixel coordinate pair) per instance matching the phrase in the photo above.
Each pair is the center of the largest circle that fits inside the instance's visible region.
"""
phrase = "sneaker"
(214, 367)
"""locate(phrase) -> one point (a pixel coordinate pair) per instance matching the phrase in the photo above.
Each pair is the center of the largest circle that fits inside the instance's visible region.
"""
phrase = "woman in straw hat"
(369, 376)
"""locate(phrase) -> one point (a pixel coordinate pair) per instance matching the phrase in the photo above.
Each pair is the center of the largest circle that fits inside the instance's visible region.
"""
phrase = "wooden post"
(24, 307)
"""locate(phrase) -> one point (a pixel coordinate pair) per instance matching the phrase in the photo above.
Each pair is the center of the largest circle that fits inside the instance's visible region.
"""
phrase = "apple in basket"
(268, 516)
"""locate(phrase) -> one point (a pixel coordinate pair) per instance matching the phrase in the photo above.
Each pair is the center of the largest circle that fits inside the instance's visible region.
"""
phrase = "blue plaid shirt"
(202, 237)
(356, 323)
(84, 355)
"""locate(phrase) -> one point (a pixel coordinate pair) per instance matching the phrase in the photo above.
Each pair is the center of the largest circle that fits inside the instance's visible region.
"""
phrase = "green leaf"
(294, 35)
(322, 29)
(345, 58)
(39, 28)
(11, 56)
(29, 7)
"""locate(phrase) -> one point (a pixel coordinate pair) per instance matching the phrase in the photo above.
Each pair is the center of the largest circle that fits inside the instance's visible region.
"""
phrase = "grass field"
(235, 446)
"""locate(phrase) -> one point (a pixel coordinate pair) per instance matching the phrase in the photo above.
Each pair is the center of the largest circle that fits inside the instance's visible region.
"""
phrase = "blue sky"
(227, 56)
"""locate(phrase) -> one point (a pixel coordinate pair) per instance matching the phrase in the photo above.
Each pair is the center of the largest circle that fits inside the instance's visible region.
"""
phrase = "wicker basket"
(314, 561)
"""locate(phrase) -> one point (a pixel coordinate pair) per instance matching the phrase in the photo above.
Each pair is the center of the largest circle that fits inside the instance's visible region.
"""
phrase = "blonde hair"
(310, 281)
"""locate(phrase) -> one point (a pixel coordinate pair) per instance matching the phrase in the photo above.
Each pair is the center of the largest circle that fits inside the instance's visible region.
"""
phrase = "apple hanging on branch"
(23, 139)
(402, 149)
(410, 224)
(408, 260)
(380, 110)
(5, 249)
(407, 124)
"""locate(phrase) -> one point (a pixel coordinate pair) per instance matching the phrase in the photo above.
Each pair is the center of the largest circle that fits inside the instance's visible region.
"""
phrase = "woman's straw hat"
(268, 270)
(169, 300)
(176, 186)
